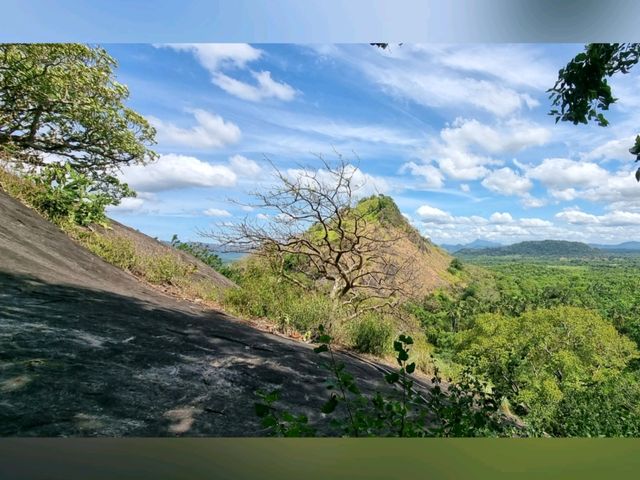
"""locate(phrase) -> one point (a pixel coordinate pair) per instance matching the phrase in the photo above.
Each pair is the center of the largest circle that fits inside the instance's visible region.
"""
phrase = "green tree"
(537, 358)
(582, 92)
(62, 101)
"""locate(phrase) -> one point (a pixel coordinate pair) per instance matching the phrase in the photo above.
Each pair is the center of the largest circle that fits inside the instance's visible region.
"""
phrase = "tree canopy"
(582, 92)
(63, 101)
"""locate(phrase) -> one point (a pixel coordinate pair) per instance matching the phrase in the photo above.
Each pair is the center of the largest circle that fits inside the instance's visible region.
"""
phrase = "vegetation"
(318, 233)
(61, 103)
(582, 92)
(544, 248)
(468, 409)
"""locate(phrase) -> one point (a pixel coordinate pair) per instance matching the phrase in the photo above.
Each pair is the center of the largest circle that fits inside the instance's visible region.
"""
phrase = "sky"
(459, 135)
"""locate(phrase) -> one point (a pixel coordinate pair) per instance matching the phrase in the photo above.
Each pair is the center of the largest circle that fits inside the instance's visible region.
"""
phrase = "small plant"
(465, 409)
(455, 266)
(282, 424)
(64, 194)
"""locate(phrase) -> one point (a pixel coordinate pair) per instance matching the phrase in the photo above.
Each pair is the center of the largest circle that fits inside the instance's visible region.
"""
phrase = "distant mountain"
(544, 248)
(476, 244)
(630, 246)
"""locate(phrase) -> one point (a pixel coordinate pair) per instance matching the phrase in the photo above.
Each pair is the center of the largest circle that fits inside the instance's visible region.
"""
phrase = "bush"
(165, 268)
(117, 251)
(371, 334)
(262, 294)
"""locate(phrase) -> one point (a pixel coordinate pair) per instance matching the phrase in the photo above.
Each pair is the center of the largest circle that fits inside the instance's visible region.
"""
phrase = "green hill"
(543, 248)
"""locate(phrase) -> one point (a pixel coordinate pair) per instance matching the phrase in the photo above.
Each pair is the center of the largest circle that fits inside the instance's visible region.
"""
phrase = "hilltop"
(475, 245)
(542, 248)
(429, 261)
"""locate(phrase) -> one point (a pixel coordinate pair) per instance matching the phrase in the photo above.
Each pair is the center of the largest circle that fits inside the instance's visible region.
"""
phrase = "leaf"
(321, 348)
(411, 367)
(392, 377)
(330, 405)
(262, 410)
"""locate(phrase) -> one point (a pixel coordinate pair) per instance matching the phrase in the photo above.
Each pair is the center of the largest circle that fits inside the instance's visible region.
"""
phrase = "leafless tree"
(314, 235)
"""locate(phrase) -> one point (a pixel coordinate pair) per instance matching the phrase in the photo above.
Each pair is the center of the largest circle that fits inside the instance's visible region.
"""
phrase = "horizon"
(458, 135)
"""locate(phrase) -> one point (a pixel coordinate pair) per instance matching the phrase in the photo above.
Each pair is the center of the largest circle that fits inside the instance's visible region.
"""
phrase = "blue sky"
(458, 135)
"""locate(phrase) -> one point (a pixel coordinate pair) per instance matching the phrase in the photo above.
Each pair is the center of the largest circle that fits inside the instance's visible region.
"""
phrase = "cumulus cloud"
(210, 131)
(173, 171)
(244, 166)
(432, 177)
(563, 173)
(501, 217)
(576, 216)
(219, 57)
(429, 214)
(506, 182)
(505, 137)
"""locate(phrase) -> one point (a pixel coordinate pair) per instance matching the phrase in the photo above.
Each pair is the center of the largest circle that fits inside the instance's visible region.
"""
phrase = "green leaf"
(392, 377)
(330, 405)
(321, 348)
(262, 410)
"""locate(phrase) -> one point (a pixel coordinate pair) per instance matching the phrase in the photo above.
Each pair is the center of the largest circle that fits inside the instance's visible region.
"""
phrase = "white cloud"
(429, 214)
(214, 56)
(128, 205)
(530, 201)
(362, 184)
(464, 187)
(218, 57)
(211, 131)
(507, 182)
(535, 222)
(501, 217)
(433, 178)
(616, 218)
(244, 166)
(173, 171)
(617, 149)
(562, 173)
(510, 136)
(265, 87)
(216, 212)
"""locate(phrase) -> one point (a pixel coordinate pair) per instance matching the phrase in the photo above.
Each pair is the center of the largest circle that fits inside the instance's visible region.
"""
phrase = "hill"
(475, 245)
(90, 350)
(626, 246)
(543, 248)
(429, 262)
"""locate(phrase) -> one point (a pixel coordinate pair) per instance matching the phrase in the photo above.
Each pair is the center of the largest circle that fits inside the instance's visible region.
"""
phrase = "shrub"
(166, 268)
(371, 334)
(118, 251)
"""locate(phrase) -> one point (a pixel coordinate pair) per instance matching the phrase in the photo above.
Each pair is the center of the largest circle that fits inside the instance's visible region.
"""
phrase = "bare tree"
(314, 234)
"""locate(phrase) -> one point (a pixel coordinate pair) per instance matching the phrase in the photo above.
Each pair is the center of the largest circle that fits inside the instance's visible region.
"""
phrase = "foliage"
(536, 358)
(455, 266)
(608, 409)
(582, 92)
(62, 100)
(262, 293)
(319, 226)
(63, 194)
(469, 410)
(542, 248)
(371, 333)
(202, 253)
